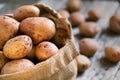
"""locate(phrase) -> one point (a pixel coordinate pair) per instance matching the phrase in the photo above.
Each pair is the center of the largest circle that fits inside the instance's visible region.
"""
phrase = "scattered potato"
(114, 24)
(17, 47)
(25, 12)
(83, 63)
(16, 66)
(94, 14)
(3, 60)
(64, 13)
(112, 53)
(74, 5)
(88, 46)
(38, 28)
(45, 50)
(89, 29)
(76, 18)
(8, 29)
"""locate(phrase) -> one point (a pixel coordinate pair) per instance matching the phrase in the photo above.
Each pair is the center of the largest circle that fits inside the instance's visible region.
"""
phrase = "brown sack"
(61, 66)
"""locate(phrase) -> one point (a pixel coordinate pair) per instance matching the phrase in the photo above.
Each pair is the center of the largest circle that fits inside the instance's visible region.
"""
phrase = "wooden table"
(101, 69)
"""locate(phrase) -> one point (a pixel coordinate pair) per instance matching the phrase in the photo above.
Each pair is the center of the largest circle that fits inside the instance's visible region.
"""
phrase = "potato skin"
(83, 63)
(16, 66)
(114, 24)
(112, 53)
(17, 47)
(45, 50)
(8, 29)
(64, 13)
(38, 28)
(25, 12)
(88, 46)
(89, 29)
(3, 60)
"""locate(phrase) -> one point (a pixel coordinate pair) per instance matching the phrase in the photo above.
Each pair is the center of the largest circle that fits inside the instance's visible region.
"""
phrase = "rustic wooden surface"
(101, 69)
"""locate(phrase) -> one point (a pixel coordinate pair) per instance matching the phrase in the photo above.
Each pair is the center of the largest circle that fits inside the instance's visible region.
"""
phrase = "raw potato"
(38, 28)
(16, 66)
(45, 50)
(25, 12)
(94, 14)
(74, 5)
(83, 63)
(114, 24)
(88, 46)
(17, 47)
(3, 60)
(89, 29)
(64, 13)
(112, 53)
(76, 18)
(8, 29)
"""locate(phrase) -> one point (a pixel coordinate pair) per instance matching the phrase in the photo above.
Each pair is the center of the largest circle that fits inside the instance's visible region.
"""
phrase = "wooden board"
(101, 69)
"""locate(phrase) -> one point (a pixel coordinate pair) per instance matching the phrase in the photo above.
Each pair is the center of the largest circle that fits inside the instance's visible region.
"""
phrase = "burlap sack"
(61, 66)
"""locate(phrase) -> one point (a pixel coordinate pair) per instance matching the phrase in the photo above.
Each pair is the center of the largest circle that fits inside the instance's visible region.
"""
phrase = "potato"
(17, 47)
(114, 23)
(94, 14)
(83, 63)
(112, 53)
(89, 29)
(31, 55)
(38, 28)
(45, 50)
(76, 18)
(8, 29)
(25, 12)
(88, 46)
(64, 13)
(3, 60)
(16, 66)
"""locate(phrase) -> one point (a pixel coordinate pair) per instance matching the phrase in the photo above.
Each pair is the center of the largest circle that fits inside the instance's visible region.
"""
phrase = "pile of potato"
(25, 39)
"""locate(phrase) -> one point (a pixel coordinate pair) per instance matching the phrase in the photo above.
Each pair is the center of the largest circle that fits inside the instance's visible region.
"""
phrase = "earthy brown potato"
(89, 29)
(88, 46)
(31, 55)
(45, 50)
(16, 66)
(38, 28)
(3, 60)
(8, 29)
(74, 5)
(64, 13)
(114, 24)
(17, 47)
(112, 53)
(25, 12)
(94, 14)
(83, 63)
(76, 18)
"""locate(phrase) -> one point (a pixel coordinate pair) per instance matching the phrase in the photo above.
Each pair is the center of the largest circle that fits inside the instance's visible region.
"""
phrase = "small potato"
(3, 60)
(88, 46)
(94, 14)
(8, 29)
(38, 28)
(16, 66)
(45, 50)
(89, 29)
(17, 47)
(25, 12)
(74, 5)
(76, 18)
(64, 13)
(83, 63)
(112, 53)
(114, 24)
